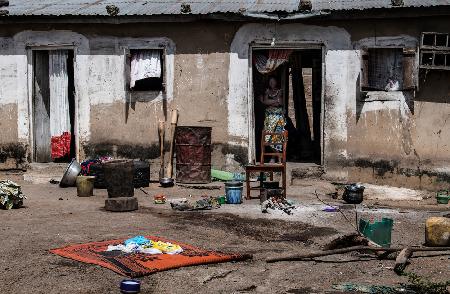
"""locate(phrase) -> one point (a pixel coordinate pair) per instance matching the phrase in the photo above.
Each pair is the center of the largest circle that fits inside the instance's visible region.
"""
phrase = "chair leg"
(284, 183)
(247, 183)
(271, 176)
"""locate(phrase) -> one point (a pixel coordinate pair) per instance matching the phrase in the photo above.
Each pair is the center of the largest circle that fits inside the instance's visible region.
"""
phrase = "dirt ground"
(54, 217)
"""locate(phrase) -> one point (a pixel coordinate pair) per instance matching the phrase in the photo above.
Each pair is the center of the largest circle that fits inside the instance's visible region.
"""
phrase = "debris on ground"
(11, 195)
(184, 204)
(226, 176)
(279, 203)
(54, 182)
(159, 199)
(348, 240)
(200, 187)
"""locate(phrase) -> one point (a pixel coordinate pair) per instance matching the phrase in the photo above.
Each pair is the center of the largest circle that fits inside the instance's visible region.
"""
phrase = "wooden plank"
(41, 108)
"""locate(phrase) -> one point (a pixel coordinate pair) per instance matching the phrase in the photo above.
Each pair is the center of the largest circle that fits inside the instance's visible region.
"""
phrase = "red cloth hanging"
(61, 145)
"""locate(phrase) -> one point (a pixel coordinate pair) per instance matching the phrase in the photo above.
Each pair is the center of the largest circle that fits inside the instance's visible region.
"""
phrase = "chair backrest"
(273, 153)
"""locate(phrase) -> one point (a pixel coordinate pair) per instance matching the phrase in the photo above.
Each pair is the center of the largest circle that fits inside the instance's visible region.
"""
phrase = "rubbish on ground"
(402, 260)
(200, 187)
(443, 197)
(222, 200)
(308, 256)
(54, 182)
(11, 195)
(378, 232)
(353, 193)
(348, 240)
(330, 209)
(140, 244)
(159, 199)
(70, 175)
(130, 286)
(354, 225)
(226, 176)
(277, 203)
(351, 287)
(203, 204)
(139, 264)
(233, 191)
(437, 231)
(85, 186)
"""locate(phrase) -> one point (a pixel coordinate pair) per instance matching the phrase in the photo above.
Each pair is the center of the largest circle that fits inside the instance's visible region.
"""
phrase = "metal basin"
(70, 175)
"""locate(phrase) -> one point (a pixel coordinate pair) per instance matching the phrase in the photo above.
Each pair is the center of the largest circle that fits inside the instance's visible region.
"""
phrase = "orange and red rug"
(140, 264)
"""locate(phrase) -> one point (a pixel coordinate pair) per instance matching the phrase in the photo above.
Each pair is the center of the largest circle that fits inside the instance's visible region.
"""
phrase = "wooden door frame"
(30, 92)
(250, 93)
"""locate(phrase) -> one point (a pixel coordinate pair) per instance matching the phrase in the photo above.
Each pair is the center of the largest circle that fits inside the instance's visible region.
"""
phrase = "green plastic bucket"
(378, 232)
(443, 197)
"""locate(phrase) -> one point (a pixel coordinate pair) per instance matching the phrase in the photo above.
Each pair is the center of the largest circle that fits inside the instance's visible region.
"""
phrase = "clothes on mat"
(61, 145)
(145, 64)
(141, 244)
(274, 122)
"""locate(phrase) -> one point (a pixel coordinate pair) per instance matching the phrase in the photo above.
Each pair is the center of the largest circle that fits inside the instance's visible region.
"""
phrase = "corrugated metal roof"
(166, 7)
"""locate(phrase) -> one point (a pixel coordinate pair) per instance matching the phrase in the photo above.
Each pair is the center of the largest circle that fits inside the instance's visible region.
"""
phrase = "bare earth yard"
(53, 217)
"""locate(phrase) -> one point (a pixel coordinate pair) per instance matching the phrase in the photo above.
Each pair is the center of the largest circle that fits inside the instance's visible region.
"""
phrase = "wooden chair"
(270, 168)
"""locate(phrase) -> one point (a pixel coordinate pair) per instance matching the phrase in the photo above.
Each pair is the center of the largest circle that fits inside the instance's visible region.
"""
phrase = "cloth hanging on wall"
(267, 64)
(59, 104)
(145, 64)
(59, 92)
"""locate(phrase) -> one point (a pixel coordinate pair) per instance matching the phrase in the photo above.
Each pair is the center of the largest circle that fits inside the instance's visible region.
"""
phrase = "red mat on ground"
(140, 264)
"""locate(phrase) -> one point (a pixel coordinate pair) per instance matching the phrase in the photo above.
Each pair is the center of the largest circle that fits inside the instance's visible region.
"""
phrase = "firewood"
(296, 257)
(402, 260)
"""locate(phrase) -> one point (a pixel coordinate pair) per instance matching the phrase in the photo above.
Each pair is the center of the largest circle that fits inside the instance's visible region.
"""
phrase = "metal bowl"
(166, 182)
(70, 175)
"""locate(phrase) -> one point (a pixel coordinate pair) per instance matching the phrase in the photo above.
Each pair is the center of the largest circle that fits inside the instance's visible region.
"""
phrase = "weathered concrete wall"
(393, 138)
(110, 120)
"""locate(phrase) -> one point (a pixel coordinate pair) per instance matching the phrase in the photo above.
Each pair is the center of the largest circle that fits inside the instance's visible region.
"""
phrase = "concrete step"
(41, 173)
(301, 171)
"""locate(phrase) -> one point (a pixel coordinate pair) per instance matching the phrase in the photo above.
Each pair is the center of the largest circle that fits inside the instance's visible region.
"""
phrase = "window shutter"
(409, 69)
(364, 77)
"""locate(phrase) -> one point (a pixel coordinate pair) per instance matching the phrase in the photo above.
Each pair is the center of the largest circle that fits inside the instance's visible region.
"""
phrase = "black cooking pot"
(353, 194)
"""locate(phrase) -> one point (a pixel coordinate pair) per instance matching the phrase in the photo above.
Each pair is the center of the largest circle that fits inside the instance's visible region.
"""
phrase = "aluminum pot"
(70, 175)
(166, 182)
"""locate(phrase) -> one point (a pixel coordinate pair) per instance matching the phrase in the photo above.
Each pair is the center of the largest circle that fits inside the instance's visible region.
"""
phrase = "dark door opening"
(53, 105)
(300, 80)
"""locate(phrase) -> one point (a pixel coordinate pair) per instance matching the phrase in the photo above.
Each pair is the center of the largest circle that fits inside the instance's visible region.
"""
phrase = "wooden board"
(41, 108)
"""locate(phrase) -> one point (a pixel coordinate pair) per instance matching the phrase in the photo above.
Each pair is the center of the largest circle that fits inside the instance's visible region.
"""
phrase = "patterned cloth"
(267, 64)
(274, 122)
(61, 145)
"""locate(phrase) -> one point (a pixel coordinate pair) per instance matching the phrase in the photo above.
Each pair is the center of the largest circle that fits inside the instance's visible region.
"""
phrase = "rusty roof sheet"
(174, 7)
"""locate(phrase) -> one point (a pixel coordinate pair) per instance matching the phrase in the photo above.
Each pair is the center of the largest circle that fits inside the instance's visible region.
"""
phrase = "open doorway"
(53, 106)
(298, 73)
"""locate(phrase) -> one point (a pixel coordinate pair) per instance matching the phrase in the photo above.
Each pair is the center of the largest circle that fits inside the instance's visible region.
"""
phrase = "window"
(435, 51)
(145, 70)
(388, 69)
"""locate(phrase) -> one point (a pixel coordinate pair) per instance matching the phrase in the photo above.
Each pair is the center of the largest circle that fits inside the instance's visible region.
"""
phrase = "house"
(366, 83)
